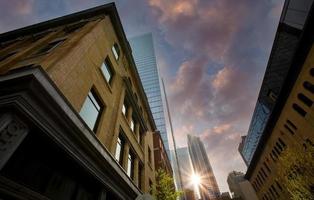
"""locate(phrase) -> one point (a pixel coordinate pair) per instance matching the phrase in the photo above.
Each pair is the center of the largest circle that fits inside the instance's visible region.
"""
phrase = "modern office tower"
(186, 174)
(286, 41)
(185, 167)
(75, 122)
(240, 188)
(282, 165)
(145, 59)
(208, 186)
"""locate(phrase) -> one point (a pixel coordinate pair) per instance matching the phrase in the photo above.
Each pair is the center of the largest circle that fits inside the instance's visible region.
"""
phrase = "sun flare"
(196, 180)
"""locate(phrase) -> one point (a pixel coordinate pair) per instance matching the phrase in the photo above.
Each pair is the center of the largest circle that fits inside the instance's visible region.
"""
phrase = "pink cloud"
(24, 7)
(221, 79)
(221, 128)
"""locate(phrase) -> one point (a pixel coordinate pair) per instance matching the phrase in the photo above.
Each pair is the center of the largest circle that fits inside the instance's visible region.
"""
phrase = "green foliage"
(297, 172)
(164, 188)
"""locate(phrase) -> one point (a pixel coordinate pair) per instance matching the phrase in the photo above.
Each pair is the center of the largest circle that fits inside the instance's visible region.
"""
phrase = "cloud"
(213, 55)
(217, 102)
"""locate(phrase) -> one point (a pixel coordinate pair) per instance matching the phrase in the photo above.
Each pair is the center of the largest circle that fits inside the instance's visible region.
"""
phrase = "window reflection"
(90, 111)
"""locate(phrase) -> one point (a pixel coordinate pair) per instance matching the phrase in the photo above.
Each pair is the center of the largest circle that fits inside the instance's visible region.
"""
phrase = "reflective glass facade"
(258, 123)
(208, 188)
(286, 41)
(145, 59)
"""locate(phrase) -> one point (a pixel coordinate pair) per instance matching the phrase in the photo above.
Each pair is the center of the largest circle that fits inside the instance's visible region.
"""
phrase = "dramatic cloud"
(212, 55)
(214, 90)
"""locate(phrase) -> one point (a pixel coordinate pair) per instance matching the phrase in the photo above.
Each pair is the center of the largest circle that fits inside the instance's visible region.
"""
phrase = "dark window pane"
(310, 87)
(312, 72)
(292, 124)
(299, 110)
(305, 100)
(49, 47)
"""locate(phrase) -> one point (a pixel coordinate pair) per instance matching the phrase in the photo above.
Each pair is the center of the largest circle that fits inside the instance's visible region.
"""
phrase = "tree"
(164, 188)
(296, 172)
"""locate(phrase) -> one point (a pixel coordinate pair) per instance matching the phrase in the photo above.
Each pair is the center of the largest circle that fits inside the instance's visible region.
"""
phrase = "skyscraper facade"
(282, 166)
(185, 167)
(208, 186)
(287, 38)
(145, 60)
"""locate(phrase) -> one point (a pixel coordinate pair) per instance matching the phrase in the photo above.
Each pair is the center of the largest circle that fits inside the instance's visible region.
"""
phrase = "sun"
(196, 180)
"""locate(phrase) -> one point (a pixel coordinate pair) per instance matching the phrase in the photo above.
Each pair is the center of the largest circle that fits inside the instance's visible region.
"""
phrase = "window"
(277, 150)
(272, 157)
(299, 110)
(272, 95)
(124, 109)
(312, 72)
(282, 142)
(266, 166)
(49, 47)
(116, 51)
(279, 146)
(107, 70)
(130, 167)
(308, 86)
(140, 175)
(119, 150)
(149, 155)
(74, 27)
(40, 35)
(91, 110)
(132, 126)
(305, 99)
(292, 124)
(263, 172)
(288, 128)
(278, 185)
(142, 132)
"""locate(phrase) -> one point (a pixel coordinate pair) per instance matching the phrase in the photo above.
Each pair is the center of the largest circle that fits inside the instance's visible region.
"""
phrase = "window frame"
(122, 143)
(116, 51)
(107, 66)
(130, 165)
(93, 93)
(132, 125)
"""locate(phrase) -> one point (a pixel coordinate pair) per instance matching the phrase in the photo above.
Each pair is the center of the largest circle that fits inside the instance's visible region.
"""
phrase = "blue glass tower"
(145, 60)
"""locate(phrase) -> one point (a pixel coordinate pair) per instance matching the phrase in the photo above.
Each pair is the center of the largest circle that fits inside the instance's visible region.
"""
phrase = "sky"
(212, 55)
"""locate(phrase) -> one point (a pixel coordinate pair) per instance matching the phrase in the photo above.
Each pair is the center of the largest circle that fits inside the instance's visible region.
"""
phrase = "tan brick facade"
(75, 68)
(292, 132)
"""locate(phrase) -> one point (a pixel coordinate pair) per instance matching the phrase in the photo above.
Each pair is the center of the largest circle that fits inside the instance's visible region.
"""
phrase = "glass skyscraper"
(208, 187)
(145, 60)
(285, 44)
(258, 123)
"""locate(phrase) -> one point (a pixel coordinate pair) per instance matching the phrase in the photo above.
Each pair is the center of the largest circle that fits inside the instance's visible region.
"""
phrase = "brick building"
(74, 122)
(160, 154)
(280, 161)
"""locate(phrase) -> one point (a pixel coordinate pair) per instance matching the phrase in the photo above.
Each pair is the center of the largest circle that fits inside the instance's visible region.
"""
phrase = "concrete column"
(126, 150)
(135, 172)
